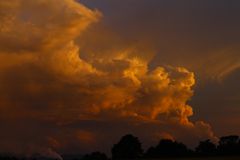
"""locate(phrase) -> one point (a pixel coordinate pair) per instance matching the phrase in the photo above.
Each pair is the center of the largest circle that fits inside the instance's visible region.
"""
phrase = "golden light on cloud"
(45, 82)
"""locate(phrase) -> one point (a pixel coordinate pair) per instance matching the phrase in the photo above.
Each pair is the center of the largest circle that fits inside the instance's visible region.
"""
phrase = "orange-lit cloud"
(55, 99)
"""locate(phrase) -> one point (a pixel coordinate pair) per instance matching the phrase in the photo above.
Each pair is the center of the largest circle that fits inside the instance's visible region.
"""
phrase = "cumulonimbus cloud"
(55, 99)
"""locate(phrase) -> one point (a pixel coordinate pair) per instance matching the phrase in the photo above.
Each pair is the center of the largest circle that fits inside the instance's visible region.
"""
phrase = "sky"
(75, 76)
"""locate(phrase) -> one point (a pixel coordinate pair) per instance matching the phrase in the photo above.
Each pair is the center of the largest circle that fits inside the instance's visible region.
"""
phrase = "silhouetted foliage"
(229, 145)
(167, 148)
(95, 156)
(128, 147)
(8, 157)
(72, 156)
(206, 148)
(13, 157)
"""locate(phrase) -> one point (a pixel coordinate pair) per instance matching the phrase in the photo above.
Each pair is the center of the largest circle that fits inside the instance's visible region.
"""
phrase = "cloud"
(223, 63)
(181, 33)
(54, 98)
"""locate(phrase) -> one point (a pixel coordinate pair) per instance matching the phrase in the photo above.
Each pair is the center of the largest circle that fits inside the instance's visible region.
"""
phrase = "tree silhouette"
(129, 147)
(95, 156)
(229, 145)
(167, 148)
(206, 148)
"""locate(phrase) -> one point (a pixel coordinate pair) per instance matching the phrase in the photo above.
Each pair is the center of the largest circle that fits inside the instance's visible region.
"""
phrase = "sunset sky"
(77, 75)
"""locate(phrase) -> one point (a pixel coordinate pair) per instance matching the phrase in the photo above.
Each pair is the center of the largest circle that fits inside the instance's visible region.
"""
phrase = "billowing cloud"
(55, 100)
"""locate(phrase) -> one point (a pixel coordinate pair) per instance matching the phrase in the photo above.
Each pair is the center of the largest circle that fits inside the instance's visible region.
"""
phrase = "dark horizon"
(130, 147)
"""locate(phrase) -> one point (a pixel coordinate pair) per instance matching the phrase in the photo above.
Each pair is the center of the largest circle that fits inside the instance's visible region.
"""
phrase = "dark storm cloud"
(200, 35)
(54, 98)
(179, 31)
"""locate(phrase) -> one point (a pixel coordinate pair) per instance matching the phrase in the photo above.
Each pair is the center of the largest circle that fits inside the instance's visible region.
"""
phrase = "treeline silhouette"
(130, 147)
